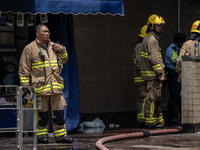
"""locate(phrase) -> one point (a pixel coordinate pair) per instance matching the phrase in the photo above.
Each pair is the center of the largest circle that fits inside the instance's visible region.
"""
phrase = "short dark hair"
(39, 26)
(179, 38)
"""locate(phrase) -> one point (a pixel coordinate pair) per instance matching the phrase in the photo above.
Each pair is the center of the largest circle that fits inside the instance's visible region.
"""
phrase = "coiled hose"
(100, 142)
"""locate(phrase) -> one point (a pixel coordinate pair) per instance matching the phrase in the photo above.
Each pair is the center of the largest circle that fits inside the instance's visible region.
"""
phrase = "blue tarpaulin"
(70, 70)
(75, 7)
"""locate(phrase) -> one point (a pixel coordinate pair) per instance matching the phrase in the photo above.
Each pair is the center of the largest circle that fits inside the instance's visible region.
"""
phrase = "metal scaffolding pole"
(20, 115)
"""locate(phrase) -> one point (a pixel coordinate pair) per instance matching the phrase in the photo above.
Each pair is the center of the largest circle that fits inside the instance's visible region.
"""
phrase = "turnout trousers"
(55, 104)
(152, 111)
(141, 89)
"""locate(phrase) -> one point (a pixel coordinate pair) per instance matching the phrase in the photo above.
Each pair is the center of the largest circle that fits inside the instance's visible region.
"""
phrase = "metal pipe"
(179, 12)
(100, 142)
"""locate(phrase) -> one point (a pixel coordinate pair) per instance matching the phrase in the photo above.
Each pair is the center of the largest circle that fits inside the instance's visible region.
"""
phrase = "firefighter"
(188, 46)
(174, 87)
(40, 66)
(139, 83)
(152, 72)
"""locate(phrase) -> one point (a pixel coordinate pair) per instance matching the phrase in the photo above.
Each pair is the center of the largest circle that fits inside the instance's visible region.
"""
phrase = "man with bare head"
(40, 66)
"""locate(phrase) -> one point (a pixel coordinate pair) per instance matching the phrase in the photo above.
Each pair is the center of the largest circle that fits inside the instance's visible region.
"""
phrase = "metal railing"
(20, 113)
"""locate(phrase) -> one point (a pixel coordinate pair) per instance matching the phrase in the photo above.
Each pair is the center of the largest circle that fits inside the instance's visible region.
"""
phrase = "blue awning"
(75, 7)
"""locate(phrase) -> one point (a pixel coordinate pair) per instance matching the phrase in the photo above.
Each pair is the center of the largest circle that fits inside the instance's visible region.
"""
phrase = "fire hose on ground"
(100, 142)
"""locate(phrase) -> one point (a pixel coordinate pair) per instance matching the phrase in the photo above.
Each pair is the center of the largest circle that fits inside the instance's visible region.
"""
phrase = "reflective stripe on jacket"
(137, 65)
(32, 72)
(189, 46)
(151, 60)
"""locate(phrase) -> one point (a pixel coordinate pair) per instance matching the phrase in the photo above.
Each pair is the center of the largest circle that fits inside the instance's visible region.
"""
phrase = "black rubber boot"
(43, 140)
(65, 139)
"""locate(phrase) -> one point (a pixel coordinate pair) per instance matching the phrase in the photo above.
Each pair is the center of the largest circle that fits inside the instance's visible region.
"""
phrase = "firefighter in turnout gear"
(139, 83)
(40, 66)
(152, 72)
(188, 46)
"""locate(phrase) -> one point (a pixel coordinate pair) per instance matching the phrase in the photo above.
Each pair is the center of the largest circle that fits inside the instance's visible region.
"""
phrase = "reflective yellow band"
(42, 132)
(140, 116)
(40, 64)
(49, 87)
(60, 132)
(159, 54)
(180, 76)
(151, 120)
(24, 79)
(43, 89)
(178, 67)
(152, 109)
(160, 119)
(58, 85)
(54, 63)
(134, 61)
(157, 67)
(145, 55)
(138, 79)
(44, 64)
(147, 73)
(63, 55)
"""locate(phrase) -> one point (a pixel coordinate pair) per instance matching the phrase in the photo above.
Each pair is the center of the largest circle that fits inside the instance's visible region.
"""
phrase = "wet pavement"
(87, 141)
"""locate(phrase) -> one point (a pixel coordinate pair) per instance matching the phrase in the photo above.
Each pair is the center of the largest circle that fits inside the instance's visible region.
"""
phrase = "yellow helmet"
(27, 98)
(153, 20)
(196, 26)
(143, 31)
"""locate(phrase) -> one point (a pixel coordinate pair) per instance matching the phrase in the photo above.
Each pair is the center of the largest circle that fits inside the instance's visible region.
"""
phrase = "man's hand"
(161, 78)
(58, 48)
